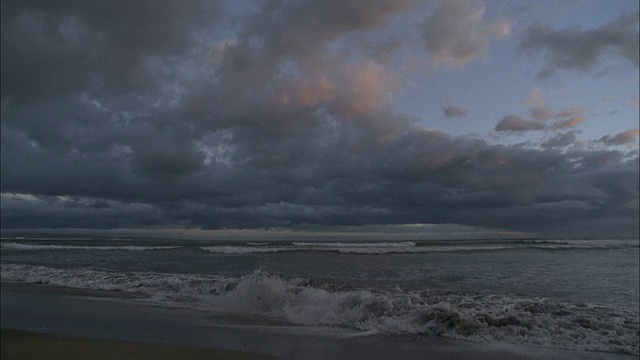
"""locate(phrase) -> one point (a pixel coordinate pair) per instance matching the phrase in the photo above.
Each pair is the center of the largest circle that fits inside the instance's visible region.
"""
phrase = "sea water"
(581, 295)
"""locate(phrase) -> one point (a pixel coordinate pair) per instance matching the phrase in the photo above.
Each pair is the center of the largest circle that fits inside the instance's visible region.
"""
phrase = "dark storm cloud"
(578, 49)
(55, 47)
(29, 211)
(105, 126)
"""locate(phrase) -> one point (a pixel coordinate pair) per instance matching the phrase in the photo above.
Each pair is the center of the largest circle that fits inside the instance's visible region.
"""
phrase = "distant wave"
(18, 246)
(356, 244)
(363, 248)
(381, 248)
(236, 249)
(308, 302)
(345, 248)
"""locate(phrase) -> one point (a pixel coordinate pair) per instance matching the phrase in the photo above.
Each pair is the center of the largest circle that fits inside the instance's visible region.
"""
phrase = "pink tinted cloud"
(457, 32)
(623, 138)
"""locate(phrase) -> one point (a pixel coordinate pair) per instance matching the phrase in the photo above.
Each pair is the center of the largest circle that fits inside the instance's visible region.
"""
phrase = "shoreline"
(42, 316)
(40, 288)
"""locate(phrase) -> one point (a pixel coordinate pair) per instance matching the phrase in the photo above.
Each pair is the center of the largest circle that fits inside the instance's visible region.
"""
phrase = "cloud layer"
(128, 115)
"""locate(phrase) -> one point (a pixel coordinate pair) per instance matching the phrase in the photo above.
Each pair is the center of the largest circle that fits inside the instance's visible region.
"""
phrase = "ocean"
(578, 296)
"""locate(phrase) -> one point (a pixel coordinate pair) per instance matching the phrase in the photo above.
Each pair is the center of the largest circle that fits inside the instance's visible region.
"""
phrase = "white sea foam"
(377, 248)
(156, 285)
(245, 249)
(19, 246)
(305, 302)
(356, 244)
(365, 248)
(345, 248)
(381, 248)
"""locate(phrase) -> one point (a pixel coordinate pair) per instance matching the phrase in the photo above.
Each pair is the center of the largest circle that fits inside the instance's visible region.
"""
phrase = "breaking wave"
(381, 248)
(364, 248)
(19, 246)
(310, 302)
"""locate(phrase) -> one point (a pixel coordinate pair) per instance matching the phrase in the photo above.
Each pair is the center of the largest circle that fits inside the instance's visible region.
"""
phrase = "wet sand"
(17, 344)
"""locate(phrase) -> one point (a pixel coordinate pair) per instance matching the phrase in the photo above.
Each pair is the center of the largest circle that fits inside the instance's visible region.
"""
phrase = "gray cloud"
(455, 111)
(574, 48)
(104, 126)
(57, 47)
(29, 211)
(420, 177)
(569, 118)
(456, 32)
(516, 123)
(560, 140)
(541, 113)
(564, 119)
(623, 138)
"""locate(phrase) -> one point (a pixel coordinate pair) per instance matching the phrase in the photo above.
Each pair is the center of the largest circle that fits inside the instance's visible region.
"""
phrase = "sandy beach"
(18, 344)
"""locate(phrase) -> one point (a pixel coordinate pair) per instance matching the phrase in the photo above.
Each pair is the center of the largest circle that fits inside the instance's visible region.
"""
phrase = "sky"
(385, 119)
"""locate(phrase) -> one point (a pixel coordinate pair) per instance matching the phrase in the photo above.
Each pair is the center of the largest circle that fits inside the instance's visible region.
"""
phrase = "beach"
(41, 321)
(18, 344)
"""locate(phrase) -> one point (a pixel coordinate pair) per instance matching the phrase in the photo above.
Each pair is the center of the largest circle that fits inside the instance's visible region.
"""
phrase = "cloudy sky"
(388, 118)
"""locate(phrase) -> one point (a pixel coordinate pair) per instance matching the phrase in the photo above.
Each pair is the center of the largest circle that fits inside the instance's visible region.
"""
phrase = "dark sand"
(17, 344)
